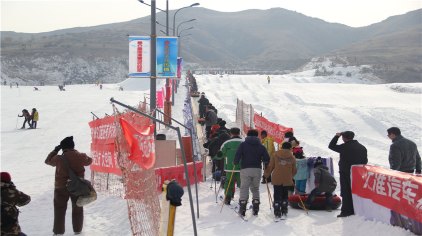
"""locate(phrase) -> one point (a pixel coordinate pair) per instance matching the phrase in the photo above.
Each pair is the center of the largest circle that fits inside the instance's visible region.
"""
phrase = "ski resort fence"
(247, 118)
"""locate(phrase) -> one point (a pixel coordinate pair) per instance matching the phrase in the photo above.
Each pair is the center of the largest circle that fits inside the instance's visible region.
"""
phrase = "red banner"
(104, 159)
(141, 143)
(398, 191)
(160, 99)
(103, 131)
(274, 130)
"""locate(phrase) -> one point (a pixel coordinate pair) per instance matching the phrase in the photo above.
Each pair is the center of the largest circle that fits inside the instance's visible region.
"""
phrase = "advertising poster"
(167, 57)
(139, 56)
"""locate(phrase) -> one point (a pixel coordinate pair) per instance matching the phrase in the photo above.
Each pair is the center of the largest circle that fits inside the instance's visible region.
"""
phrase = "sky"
(34, 16)
(316, 109)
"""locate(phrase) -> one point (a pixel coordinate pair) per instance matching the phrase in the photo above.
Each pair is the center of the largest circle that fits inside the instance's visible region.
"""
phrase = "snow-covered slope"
(315, 107)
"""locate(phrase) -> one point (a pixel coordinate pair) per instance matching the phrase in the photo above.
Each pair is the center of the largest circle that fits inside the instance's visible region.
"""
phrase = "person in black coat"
(351, 153)
(203, 102)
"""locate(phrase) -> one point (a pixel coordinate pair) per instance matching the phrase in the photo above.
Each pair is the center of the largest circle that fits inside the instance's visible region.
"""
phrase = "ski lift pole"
(193, 158)
(183, 155)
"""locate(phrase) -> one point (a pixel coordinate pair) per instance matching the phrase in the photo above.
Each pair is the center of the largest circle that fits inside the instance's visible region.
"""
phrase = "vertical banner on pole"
(166, 57)
(160, 99)
(179, 67)
(139, 56)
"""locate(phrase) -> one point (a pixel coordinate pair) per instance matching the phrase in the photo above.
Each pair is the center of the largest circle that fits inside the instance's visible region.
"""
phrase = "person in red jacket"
(76, 161)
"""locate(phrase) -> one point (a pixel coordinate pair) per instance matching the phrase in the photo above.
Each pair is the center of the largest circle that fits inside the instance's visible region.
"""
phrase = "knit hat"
(174, 193)
(67, 143)
(318, 162)
(5, 177)
(222, 123)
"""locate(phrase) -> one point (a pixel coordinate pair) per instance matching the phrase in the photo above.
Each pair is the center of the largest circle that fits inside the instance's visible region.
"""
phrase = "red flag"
(141, 143)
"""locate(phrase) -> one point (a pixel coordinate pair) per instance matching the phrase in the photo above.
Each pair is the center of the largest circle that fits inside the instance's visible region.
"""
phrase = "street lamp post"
(181, 23)
(153, 84)
(174, 16)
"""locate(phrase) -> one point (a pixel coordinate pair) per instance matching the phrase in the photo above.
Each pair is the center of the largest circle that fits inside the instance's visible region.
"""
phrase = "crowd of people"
(30, 118)
(243, 162)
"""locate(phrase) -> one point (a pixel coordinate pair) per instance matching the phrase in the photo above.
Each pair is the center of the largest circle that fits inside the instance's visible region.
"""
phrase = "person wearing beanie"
(404, 155)
(34, 118)
(76, 161)
(324, 183)
(282, 167)
(351, 153)
(250, 154)
(10, 199)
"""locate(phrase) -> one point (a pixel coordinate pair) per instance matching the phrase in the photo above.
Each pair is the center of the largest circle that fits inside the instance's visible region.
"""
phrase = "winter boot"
(284, 208)
(255, 206)
(277, 209)
(227, 200)
(242, 207)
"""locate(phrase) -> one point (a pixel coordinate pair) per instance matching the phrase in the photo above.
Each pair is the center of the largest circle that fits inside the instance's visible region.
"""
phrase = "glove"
(57, 148)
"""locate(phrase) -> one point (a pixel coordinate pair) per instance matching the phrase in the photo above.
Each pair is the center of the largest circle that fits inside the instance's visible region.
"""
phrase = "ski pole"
(16, 126)
(228, 186)
(270, 200)
(301, 202)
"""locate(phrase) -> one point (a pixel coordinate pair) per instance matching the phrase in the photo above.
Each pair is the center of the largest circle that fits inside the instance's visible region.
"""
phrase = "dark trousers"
(208, 131)
(34, 124)
(24, 122)
(315, 192)
(346, 193)
(281, 193)
(61, 197)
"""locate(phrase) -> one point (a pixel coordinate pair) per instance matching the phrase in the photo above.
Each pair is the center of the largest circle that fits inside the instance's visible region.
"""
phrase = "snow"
(316, 107)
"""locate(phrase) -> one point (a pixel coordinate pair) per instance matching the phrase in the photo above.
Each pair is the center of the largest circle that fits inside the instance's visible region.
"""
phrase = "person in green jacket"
(228, 152)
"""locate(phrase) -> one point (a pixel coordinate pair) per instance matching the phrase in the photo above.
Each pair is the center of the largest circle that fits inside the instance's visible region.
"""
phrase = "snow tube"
(318, 204)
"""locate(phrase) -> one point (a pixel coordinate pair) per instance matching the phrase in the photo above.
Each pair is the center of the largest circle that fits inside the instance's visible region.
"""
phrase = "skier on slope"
(268, 143)
(228, 152)
(27, 116)
(34, 118)
(282, 167)
(250, 154)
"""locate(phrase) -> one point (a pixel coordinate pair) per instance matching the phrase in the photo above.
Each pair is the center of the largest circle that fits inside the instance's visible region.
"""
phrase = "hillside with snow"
(315, 106)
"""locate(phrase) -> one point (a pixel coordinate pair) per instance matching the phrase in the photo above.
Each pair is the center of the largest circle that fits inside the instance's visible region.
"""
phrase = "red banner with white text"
(104, 159)
(398, 191)
(103, 131)
(141, 143)
(274, 130)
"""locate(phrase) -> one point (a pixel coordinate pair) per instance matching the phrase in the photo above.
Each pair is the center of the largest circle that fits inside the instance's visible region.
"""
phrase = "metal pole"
(183, 155)
(153, 85)
(193, 158)
(167, 100)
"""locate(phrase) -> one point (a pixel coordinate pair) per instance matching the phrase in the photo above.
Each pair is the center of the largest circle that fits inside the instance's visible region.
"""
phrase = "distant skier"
(250, 154)
(10, 198)
(34, 118)
(404, 155)
(282, 167)
(351, 153)
(268, 79)
(27, 116)
(324, 183)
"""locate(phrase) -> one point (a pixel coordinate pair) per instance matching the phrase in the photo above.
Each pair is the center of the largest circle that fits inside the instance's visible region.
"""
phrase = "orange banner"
(274, 130)
(398, 191)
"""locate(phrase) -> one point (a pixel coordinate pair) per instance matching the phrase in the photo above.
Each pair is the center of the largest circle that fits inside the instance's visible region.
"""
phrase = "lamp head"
(195, 4)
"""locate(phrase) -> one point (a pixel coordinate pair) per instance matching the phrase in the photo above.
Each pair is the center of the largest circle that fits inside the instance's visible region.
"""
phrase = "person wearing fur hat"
(76, 161)
(324, 183)
(351, 153)
(10, 198)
